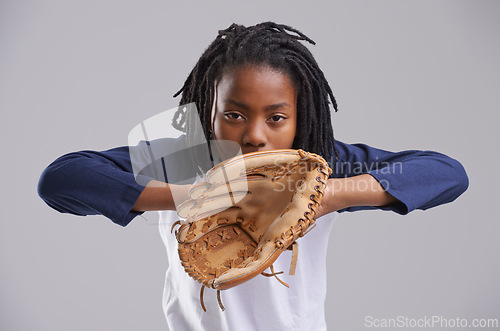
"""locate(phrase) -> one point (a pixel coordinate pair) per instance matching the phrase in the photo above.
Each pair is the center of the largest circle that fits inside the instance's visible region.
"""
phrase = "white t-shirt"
(259, 304)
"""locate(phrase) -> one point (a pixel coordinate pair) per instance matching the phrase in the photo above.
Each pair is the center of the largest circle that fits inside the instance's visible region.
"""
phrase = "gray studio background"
(407, 75)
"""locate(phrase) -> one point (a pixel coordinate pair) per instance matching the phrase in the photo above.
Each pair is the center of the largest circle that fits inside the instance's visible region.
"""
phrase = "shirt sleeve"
(93, 183)
(418, 179)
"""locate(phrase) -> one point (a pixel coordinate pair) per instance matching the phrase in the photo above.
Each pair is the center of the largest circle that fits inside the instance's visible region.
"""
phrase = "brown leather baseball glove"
(246, 213)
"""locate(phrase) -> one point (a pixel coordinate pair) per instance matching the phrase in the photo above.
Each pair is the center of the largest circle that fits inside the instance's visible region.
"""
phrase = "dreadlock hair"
(276, 46)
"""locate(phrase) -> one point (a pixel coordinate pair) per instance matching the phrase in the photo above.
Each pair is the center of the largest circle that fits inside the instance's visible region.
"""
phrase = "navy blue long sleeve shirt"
(103, 183)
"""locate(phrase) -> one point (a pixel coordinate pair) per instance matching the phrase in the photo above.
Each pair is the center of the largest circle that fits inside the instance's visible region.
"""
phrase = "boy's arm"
(93, 183)
(342, 194)
(368, 178)
(160, 196)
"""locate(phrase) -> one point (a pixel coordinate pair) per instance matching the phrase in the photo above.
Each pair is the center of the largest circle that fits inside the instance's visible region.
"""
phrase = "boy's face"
(256, 107)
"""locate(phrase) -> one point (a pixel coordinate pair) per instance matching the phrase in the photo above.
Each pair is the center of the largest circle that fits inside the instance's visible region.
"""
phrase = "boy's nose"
(254, 135)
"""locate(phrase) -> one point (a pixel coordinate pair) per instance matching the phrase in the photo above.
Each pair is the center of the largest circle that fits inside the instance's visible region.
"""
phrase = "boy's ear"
(213, 94)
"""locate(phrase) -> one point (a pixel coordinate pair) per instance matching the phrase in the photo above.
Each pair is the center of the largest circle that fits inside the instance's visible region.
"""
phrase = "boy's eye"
(277, 118)
(233, 116)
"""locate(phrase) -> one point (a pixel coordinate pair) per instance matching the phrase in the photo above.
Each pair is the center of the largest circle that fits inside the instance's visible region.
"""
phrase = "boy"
(260, 88)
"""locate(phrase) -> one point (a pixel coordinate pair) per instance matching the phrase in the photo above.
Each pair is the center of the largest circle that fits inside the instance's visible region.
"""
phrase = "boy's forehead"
(253, 78)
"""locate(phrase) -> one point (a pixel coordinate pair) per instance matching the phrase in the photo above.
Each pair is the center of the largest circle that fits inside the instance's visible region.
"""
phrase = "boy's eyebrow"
(268, 108)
